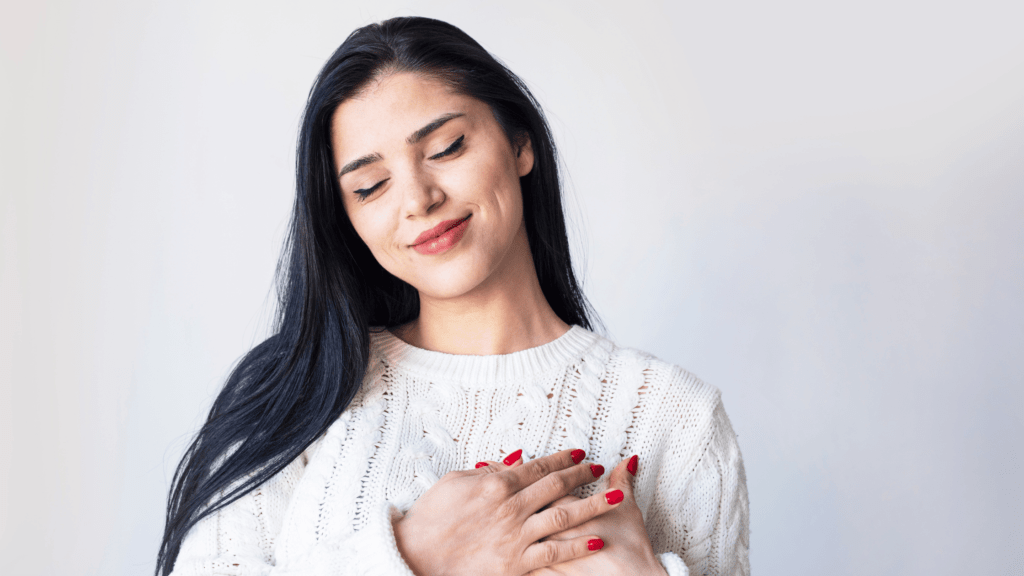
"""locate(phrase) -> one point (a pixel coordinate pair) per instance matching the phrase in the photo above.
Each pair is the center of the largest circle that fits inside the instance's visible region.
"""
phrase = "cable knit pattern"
(421, 414)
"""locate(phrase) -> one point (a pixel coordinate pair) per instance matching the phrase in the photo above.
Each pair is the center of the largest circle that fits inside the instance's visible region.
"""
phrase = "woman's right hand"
(485, 521)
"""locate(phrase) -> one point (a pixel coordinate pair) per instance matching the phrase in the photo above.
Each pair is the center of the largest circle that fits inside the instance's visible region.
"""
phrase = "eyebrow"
(426, 130)
(359, 163)
(412, 139)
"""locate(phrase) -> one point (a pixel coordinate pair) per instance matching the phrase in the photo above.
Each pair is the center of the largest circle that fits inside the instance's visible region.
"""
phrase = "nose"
(422, 195)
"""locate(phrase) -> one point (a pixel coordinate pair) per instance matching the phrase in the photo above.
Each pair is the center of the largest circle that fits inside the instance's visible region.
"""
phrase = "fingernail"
(595, 544)
(511, 458)
(578, 456)
(481, 464)
(614, 497)
(597, 470)
(631, 466)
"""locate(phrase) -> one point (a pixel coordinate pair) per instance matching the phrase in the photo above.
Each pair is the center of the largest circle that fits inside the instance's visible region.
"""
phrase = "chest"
(403, 432)
(426, 429)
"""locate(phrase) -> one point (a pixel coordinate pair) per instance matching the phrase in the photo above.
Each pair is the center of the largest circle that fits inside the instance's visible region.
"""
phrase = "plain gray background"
(816, 207)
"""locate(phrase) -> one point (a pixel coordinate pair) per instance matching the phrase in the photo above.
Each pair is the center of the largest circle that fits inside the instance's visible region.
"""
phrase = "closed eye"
(455, 147)
(364, 192)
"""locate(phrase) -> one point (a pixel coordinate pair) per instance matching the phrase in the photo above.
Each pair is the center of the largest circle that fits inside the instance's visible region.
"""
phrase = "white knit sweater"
(421, 414)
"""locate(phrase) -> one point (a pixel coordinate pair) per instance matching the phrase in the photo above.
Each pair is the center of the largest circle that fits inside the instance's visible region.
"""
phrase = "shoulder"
(671, 394)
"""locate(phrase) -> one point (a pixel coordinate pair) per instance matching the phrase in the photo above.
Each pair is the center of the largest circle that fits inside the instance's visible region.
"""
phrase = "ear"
(524, 154)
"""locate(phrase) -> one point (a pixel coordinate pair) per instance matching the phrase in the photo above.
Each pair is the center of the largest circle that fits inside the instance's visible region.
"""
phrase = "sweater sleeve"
(239, 540)
(702, 522)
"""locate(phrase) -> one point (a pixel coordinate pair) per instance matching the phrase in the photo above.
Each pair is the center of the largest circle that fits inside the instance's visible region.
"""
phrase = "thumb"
(623, 474)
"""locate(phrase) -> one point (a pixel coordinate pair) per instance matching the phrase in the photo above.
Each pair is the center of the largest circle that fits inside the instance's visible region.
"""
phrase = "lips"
(442, 237)
(438, 230)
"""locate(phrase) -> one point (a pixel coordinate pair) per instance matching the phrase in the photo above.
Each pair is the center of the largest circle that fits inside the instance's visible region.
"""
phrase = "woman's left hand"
(627, 548)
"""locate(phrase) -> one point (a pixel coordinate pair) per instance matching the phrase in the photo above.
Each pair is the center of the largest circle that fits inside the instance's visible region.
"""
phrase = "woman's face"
(430, 183)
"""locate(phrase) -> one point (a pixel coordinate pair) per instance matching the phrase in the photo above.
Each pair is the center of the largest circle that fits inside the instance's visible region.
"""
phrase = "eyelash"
(455, 147)
(364, 192)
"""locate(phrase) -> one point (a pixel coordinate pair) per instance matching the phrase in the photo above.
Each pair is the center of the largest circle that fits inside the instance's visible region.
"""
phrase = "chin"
(450, 281)
(446, 289)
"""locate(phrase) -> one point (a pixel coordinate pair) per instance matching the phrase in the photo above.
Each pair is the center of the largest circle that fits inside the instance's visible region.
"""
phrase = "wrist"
(655, 567)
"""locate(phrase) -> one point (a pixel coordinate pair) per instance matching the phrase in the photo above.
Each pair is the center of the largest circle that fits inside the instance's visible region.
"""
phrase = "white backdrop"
(816, 207)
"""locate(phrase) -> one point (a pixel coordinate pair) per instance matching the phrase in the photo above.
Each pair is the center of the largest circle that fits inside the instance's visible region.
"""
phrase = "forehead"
(391, 108)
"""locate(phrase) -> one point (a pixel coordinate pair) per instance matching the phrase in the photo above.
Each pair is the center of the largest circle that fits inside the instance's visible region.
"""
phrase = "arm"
(702, 519)
(457, 527)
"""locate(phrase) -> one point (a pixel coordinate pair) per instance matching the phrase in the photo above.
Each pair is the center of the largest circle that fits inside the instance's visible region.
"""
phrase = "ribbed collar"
(483, 371)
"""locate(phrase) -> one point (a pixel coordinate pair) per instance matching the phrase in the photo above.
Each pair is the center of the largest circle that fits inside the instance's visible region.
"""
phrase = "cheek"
(495, 185)
(509, 199)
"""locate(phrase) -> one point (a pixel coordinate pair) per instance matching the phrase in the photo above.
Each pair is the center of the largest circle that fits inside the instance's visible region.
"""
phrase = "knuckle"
(506, 485)
(549, 552)
(561, 518)
(508, 508)
(544, 467)
(558, 484)
(494, 485)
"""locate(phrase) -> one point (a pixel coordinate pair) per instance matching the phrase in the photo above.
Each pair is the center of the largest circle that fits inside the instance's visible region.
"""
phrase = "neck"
(504, 314)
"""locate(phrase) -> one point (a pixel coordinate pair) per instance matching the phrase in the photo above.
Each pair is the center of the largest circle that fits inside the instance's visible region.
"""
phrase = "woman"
(433, 401)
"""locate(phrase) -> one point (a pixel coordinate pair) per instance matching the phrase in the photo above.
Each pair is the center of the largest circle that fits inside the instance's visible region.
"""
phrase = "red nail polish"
(597, 470)
(481, 464)
(511, 458)
(578, 456)
(631, 466)
(614, 497)
(595, 544)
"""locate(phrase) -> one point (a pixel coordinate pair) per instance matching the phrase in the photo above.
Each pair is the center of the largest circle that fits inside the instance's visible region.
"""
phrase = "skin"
(627, 551)
(481, 297)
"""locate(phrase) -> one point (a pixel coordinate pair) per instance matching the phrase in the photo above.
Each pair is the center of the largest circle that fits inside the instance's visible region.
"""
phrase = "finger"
(514, 459)
(516, 456)
(623, 474)
(560, 502)
(530, 472)
(551, 552)
(565, 500)
(568, 534)
(561, 518)
(555, 485)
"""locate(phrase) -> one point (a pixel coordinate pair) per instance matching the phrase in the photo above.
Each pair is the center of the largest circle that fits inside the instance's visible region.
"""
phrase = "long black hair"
(287, 390)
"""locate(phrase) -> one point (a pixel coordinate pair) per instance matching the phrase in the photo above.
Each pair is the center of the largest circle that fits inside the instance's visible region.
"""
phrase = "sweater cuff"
(673, 564)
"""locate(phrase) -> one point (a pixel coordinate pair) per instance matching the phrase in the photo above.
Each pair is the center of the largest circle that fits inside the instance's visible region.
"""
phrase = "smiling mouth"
(444, 241)
(439, 231)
